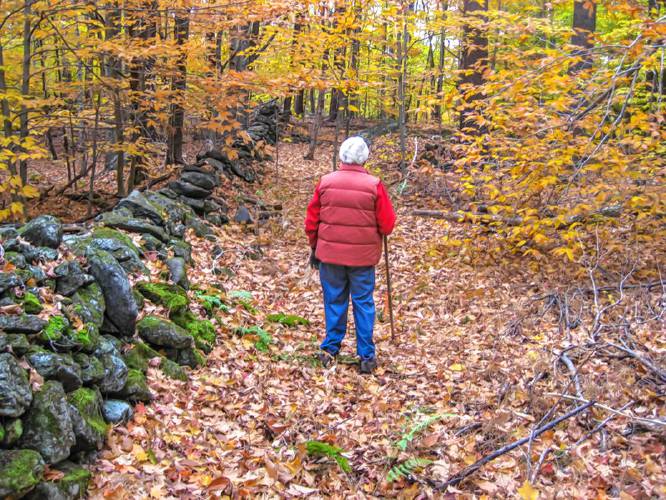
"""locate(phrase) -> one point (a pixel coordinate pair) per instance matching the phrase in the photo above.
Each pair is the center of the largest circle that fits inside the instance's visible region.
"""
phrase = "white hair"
(354, 151)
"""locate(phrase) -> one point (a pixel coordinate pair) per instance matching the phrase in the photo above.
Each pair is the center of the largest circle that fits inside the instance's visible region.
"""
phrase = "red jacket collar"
(355, 168)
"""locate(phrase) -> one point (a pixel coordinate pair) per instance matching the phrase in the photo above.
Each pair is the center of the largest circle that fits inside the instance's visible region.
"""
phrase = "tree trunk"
(4, 104)
(315, 126)
(584, 24)
(179, 85)
(473, 62)
(25, 81)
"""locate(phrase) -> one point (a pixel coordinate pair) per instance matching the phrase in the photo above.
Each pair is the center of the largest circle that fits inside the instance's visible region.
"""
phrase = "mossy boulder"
(18, 342)
(13, 430)
(122, 218)
(92, 369)
(163, 333)
(201, 330)
(191, 357)
(70, 277)
(89, 305)
(20, 471)
(121, 308)
(47, 426)
(14, 387)
(56, 366)
(136, 388)
(9, 281)
(17, 259)
(115, 369)
(173, 297)
(71, 486)
(31, 303)
(84, 339)
(54, 330)
(87, 421)
(44, 231)
(141, 354)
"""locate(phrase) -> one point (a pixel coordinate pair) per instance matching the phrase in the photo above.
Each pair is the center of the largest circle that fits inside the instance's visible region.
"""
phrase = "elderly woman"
(346, 219)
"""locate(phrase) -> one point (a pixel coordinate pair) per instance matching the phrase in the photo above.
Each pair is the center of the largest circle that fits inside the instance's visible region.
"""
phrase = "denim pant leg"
(362, 286)
(335, 284)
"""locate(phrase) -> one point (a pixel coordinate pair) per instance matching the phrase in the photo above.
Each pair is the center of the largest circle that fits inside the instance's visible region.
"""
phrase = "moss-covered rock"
(25, 323)
(13, 431)
(18, 342)
(54, 330)
(56, 366)
(136, 388)
(202, 330)
(17, 259)
(191, 357)
(163, 333)
(31, 303)
(173, 370)
(15, 392)
(115, 369)
(140, 355)
(20, 471)
(87, 421)
(92, 369)
(72, 485)
(173, 297)
(89, 305)
(47, 426)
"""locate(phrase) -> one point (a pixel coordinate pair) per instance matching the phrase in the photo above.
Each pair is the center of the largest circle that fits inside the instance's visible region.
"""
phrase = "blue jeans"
(338, 283)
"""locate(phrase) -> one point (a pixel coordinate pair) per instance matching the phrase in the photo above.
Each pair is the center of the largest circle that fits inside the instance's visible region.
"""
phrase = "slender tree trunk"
(4, 104)
(473, 61)
(175, 145)
(316, 125)
(25, 81)
(584, 25)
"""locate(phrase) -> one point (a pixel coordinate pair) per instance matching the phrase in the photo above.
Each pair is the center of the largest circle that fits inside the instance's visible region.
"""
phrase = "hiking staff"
(388, 287)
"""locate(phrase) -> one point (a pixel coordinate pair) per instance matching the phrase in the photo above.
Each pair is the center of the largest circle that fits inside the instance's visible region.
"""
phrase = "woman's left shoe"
(368, 365)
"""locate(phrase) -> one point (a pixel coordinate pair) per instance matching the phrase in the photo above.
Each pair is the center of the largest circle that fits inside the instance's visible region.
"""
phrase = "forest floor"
(455, 376)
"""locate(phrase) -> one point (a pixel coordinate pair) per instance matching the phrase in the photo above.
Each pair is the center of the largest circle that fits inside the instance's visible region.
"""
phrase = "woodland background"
(517, 138)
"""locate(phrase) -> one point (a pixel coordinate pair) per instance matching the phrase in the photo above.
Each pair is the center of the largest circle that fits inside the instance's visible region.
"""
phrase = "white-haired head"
(354, 151)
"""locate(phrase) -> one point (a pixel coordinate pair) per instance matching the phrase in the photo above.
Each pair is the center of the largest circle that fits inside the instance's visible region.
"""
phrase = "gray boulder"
(89, 305)
(92, 369)
(116, 411)
(20, 471)
(15, 393)
(178, 271)
(243, 216)
(60, 367)
(18, 342)
(45, 231)
(163, 333)
(189, 190)
(121, 307)
(87, 421)
(115, 369)
(201, 179)
(136, 388)
(71, 486)
(9, 281)
(25, 323)
(48, 425)
(70, 277)
(124, 219)
(141, 207)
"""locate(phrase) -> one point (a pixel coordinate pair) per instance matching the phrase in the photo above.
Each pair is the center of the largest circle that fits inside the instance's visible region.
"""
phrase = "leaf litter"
(454, 386)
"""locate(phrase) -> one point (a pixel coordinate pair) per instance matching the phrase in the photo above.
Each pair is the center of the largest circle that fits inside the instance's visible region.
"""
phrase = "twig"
(619, 413)
(537, 469)
(601, 425)
(573, 371)
(646, 363)
(441, 485)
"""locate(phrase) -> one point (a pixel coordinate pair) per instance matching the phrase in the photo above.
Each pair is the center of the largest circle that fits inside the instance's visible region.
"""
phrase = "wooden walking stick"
(388, 286)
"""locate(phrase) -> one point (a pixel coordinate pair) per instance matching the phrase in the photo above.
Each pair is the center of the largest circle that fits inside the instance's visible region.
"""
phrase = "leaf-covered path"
(239, 426)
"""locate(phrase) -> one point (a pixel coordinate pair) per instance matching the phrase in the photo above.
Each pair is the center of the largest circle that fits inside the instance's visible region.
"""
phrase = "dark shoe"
(325, 358)
(368, 365)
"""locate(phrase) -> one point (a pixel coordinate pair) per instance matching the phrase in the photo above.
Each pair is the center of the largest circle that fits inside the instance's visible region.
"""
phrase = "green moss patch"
(20, 470)
(210, 302)
(112, 234)
(173, 370)
(88, 403)
(263, 338)
(170, 296)
(139, 356)
(202, 330)
(31, 304)
(290, 320)
(55, 329)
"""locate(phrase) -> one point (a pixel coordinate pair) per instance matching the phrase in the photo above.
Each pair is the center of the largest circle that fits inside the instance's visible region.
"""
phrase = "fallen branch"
(573, 371)
(441, 485)
(642, 360)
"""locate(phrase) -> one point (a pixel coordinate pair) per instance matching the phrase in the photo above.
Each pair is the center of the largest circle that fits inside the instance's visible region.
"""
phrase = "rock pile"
(68, 371)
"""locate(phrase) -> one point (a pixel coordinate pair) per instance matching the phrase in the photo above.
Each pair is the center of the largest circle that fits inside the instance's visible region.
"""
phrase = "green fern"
(264, 339)
(319, 449)
(289, 320)
(407, 468)
(409, 436)
(211, 302)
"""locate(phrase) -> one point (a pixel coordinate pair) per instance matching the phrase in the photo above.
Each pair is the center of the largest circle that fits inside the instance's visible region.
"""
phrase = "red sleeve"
(312, 218)
(384, 211)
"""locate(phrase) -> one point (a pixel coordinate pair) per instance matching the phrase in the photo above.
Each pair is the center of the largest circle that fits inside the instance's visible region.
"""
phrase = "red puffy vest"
(348, 234)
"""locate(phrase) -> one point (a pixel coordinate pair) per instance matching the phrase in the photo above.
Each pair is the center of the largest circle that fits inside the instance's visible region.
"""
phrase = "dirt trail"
(239, 425)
